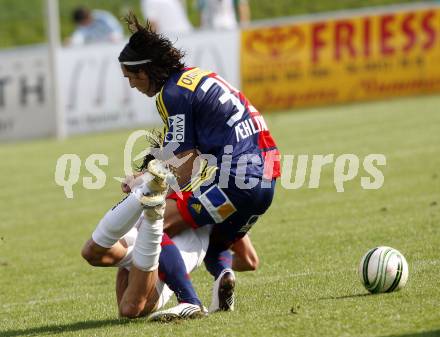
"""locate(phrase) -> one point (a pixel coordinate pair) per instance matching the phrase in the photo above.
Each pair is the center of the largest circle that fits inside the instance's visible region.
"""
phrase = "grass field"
(309, 242)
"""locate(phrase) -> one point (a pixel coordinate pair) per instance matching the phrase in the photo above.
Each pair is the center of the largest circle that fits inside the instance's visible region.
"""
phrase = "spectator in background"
(166, 16)
(223, 14)
(94, 26)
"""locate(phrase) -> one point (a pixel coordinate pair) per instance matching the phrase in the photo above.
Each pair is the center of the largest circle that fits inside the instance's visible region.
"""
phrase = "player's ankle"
(194, 301)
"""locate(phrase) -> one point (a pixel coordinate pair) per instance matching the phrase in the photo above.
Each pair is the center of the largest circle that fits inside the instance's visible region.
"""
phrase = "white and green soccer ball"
(383, 270)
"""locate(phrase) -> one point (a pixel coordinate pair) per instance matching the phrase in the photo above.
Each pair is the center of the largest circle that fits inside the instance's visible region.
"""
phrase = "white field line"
(70, 298)
(50, 300)
(415, 265)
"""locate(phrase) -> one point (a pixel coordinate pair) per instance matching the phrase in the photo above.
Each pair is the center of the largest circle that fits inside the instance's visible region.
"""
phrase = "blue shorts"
(232, 210)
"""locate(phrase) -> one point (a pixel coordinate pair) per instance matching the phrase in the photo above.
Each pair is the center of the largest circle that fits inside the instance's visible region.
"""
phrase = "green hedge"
(22, 22)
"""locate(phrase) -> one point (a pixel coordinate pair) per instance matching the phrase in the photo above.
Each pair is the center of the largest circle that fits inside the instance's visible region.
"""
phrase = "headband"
(135, 63)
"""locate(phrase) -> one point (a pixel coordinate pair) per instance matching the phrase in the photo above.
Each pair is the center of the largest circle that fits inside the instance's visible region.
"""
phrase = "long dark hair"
(145, 44)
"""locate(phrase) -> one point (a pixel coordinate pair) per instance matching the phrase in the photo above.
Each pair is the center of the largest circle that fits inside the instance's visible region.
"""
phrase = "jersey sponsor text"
(176, 131)
(250, 127)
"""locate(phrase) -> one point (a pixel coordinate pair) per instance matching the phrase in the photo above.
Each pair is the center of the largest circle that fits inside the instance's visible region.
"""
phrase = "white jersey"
(217, 14)
(103, 28)
(168, 16)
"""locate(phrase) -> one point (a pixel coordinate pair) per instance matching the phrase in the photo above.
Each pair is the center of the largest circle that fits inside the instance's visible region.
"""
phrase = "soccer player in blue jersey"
(214, 131)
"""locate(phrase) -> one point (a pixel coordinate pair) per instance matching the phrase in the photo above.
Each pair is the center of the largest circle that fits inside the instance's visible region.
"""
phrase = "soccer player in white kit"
(130, 235)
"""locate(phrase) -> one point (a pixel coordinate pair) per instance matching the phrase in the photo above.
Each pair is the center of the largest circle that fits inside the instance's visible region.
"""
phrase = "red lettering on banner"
(344, 32)
(394, 33)
(345, 58)
(409, 32)
(376, 87)
(317, 41)
(429, 30)
(386, 34)
(276, 99)
(367, 36)
(351, 38)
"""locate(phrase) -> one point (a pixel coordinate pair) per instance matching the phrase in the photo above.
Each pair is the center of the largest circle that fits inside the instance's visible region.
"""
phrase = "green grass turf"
(310, 242)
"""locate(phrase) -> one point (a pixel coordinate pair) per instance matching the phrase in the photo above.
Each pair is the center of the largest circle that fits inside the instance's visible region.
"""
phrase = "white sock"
(143, 189)
(130, 237)
(127, 260)
(147, 246)
(118, 221)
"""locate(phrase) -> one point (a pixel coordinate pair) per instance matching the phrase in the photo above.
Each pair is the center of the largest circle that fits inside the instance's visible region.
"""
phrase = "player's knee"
(129, 310)
(254, 263)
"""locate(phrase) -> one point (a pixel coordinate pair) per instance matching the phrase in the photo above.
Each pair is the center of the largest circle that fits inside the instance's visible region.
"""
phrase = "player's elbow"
(85, 253)
(88, 254)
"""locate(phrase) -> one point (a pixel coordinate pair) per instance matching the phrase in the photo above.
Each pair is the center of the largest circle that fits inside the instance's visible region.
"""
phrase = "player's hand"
(130, 182)
(125, 187)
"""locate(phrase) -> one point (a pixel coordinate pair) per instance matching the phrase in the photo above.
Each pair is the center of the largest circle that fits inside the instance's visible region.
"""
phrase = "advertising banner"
(96, 96)
(218, 51)
(348, 58)
(94, 93)
(25, 89)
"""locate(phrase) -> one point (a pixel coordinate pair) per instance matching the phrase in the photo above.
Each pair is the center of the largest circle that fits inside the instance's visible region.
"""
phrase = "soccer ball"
(383, 270)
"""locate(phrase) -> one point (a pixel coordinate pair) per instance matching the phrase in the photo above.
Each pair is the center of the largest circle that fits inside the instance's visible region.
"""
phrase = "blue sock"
(217, 259)
(172, 271)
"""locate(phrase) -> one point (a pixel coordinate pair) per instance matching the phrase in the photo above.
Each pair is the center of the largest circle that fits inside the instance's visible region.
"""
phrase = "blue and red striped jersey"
(203, 111)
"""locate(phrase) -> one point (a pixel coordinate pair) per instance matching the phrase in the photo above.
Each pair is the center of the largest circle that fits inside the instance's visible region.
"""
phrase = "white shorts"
(192, 244)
